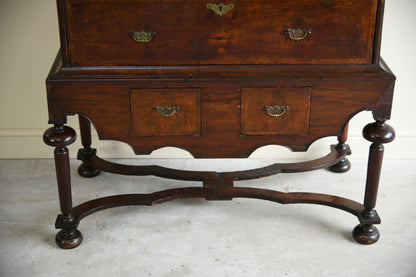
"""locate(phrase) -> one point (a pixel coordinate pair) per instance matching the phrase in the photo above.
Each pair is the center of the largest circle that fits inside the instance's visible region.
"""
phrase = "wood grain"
(187, 33)
(256, 121)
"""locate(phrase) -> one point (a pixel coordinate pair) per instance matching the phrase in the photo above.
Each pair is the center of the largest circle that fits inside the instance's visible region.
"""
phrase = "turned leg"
(59, 137)
(344, 165)
(85, 170)
(378, 133)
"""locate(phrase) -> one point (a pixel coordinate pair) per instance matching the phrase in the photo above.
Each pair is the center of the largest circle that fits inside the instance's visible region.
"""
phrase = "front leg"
(378, 133)
(60, 136)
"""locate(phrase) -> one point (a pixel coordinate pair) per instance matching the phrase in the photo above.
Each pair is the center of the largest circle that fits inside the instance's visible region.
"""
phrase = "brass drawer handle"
(298, 34)
(166, 111)
(276, 111)
(220, 9)
(142, 37)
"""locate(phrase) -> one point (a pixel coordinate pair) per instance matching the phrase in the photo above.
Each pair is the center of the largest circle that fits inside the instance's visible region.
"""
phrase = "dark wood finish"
(366, 233)
(344, 165)
(256, 121)
(148, 122)
(334, 100)
(60, 136)
(59, 70)
(63, 32)
(86, 170)
(219, 185)
(85, 129)
(378, 133)
(98, 32)
(333, 157)
(200, 82)
(377, 35)
(159, 197)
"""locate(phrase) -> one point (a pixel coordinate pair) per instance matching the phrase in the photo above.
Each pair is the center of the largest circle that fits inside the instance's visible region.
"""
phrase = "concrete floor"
(243, 237)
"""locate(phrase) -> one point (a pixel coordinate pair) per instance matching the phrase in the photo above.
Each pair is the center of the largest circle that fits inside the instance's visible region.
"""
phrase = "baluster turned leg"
(60, 136)
(85, 170)
(344, 165)
(378, 133)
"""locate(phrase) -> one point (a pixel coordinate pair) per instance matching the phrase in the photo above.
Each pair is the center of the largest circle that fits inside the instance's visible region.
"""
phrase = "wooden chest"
(219, 79)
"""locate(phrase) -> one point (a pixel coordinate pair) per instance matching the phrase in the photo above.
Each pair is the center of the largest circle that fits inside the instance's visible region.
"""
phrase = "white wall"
(29, 41)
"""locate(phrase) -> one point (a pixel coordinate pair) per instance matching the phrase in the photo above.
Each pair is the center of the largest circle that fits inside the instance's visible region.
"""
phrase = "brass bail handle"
(276, 111)
(142, 37)
(166, 111)
(298, 34)
(220, 9)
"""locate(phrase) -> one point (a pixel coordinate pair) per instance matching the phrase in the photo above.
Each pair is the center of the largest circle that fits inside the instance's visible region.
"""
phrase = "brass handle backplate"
(220, 9)
(298, 34)
(142, 37)
(166, 111)
(276, 111)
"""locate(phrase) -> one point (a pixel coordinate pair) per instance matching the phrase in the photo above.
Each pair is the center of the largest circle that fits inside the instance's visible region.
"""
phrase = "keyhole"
(220, 8)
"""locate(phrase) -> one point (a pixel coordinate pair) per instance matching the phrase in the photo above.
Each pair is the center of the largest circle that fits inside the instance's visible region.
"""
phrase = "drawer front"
(108, 32)
(275, 111)
(166, 112)
(121, 32)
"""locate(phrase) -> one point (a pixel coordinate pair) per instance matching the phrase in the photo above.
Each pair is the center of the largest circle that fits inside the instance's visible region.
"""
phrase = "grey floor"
(243, 237)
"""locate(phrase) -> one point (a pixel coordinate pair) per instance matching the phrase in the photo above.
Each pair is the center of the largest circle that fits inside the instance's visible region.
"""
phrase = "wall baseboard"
(28, 144)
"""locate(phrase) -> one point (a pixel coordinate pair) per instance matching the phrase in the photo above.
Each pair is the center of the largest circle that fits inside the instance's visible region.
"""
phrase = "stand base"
(366, 233)
(215, 186)
(68, 239)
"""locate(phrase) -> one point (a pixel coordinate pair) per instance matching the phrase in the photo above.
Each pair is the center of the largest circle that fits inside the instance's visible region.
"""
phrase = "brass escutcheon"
(220, 9)
(166, 111)
(276, 111)
(142, 37)
(298, 34)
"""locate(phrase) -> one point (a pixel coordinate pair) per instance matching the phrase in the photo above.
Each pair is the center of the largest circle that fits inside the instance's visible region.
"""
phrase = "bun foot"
(88, 171)
(341, 167)
(68, 239)
(366, 233)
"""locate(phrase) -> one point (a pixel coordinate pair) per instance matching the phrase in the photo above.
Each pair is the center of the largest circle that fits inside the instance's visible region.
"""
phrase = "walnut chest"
(219, 79)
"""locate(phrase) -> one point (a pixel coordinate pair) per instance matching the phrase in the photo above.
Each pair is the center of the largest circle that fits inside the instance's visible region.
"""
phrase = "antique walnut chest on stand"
(219, 79)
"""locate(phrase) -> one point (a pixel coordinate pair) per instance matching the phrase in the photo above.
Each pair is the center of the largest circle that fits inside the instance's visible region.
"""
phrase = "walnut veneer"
(219, 79)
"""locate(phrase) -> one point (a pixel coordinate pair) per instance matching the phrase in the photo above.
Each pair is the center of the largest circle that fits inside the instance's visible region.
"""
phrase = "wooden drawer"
(275, 111)
(99, 32)
(166, 112)
(188, 32)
